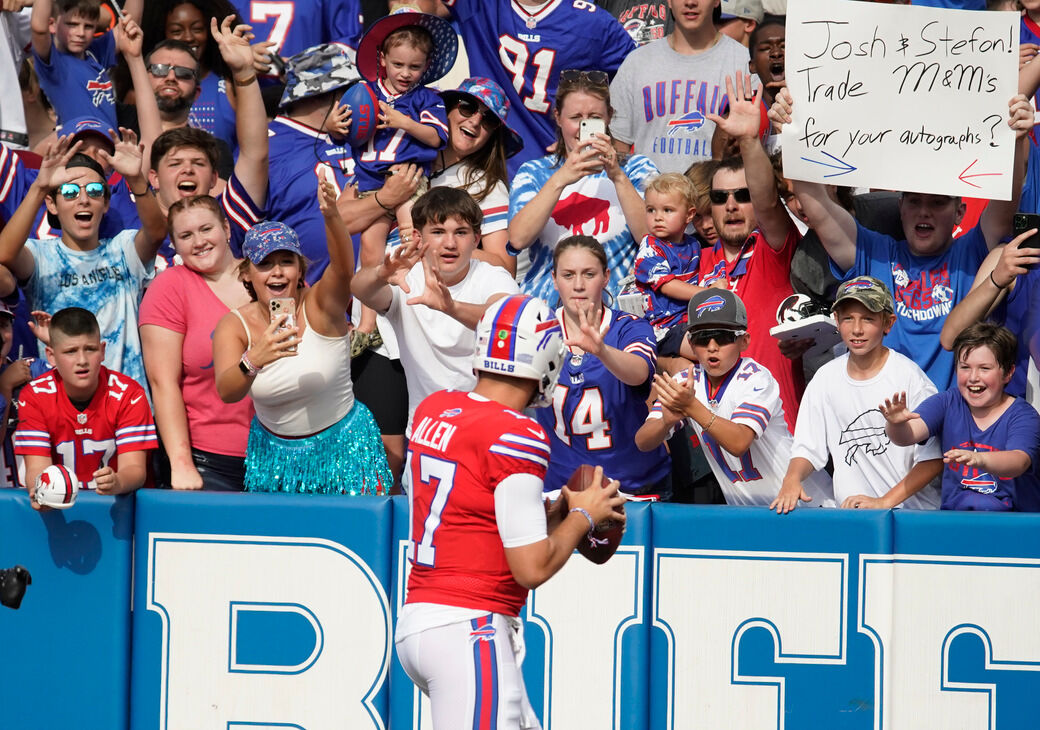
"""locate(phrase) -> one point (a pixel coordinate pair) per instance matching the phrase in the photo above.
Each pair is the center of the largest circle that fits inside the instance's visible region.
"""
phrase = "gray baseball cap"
(716, 308)
(745, 9)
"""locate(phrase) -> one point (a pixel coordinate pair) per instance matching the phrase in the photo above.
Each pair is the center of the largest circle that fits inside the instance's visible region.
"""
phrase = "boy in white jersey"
(839, 414)
(732, 402)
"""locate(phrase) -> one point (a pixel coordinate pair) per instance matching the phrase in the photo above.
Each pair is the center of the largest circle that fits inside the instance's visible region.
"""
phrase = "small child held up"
(732, 403)
(71, 64)
(990, 439)
(668, 258)
(94, 421)
(399, 55)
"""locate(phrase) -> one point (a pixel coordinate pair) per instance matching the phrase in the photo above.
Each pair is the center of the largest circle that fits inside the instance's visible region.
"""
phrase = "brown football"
(602, 542)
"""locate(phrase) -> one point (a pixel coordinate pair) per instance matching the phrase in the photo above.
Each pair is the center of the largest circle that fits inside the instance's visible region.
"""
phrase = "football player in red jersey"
(95, 421)
(481, 538)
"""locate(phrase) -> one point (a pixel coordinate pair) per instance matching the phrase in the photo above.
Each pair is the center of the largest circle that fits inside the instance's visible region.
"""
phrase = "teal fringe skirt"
(346, 458)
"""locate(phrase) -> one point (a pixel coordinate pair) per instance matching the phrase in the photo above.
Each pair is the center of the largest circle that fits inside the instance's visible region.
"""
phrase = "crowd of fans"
(198, 228)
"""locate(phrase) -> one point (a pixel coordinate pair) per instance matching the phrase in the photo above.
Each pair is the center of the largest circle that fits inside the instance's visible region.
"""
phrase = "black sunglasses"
(468, 108)
(719, 197)
(181, 73)
(70, 191)
(571, 75)
(702, 338)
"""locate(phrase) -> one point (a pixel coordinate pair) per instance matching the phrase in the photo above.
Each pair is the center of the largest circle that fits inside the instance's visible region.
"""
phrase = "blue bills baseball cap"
(265, 238)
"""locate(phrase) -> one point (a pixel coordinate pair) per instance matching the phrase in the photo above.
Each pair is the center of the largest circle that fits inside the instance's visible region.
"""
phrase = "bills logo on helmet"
(56, 487)
(687, 122)
(712, 304)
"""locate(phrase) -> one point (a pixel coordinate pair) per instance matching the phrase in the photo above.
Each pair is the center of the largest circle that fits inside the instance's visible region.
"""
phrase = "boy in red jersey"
(94, 421)
(481, 538)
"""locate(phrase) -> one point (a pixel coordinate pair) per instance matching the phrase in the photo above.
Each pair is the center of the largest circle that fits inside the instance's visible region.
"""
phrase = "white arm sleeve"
(519, 510)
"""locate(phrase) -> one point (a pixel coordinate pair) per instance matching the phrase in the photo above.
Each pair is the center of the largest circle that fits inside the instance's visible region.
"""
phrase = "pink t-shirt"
(180, 300)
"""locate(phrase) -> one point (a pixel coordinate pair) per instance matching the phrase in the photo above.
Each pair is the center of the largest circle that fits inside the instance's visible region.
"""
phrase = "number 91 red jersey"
(461, 448)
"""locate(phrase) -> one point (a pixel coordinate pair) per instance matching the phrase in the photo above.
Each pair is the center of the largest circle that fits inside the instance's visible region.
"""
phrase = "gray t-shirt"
(661, 97)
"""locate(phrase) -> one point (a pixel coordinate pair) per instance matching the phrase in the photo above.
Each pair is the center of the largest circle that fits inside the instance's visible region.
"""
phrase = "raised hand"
(588, 337)
(40, 324)
(744, 116)
(397, 264)
(327, 197)
(129, 37)
(435, 294)
(234, 45)
(896, 411)
(262, 53)
(52, 167)
(1015, 261)
(128, 158)
(780, 112)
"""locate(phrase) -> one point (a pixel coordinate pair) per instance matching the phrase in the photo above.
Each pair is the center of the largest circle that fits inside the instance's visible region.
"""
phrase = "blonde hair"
(670, 183)
(700, 174)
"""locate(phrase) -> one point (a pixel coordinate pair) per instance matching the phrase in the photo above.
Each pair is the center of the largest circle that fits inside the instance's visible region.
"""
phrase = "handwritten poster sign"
(901, 97)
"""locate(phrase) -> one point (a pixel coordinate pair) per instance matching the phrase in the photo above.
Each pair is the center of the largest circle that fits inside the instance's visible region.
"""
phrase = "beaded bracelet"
(585, 512)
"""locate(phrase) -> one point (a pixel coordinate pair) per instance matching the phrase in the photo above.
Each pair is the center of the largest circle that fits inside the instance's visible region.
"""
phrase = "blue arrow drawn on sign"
(845, 167)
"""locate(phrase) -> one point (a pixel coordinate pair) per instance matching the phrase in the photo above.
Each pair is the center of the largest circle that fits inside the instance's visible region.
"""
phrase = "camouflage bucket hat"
(868, 291)
(318, 70)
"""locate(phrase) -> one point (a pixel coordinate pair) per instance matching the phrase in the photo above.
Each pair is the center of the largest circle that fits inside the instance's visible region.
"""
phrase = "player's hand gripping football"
(602, 504)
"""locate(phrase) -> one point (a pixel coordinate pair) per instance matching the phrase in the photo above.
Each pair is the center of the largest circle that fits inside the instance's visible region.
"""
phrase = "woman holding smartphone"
(309, 434)
(583, 188)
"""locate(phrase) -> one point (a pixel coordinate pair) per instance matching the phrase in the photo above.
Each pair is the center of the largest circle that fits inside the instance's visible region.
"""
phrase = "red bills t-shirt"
(116, 421)
(462, 447)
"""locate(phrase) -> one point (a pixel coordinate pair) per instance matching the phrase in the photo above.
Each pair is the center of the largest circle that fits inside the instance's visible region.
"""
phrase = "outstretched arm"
(250, 116)
(996, 218)
(40, 24)
(128, 161)
(332, 292)
(833, 224)
(742, 124)
(13, 236)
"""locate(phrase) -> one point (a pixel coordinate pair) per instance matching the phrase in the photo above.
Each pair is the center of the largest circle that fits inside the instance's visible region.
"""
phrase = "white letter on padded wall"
(914, 606)
(192, 582)
(704, 600)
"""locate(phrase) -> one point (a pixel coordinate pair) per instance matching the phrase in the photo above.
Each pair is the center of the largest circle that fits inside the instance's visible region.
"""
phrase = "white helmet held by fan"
(56, 487)
(798, 307)
(520, 336)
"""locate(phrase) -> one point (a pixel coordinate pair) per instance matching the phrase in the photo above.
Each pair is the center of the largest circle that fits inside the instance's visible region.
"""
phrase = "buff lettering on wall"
(901, 97)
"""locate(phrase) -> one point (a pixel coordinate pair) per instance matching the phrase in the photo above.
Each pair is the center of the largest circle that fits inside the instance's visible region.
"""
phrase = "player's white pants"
(471, 672)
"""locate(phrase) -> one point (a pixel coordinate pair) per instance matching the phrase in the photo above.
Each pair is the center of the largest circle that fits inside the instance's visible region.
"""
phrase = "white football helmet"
(519, 336)
(798, 307)
(56, 487)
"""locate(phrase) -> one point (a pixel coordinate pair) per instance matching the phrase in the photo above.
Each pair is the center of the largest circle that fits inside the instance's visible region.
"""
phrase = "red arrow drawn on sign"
(963, 177)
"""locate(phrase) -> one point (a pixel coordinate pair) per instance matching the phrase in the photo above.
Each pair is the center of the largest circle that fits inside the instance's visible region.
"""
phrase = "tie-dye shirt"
(108, 281)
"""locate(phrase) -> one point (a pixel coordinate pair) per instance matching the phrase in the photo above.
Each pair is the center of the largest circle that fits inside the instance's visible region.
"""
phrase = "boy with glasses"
(103, 275)
(733, 405)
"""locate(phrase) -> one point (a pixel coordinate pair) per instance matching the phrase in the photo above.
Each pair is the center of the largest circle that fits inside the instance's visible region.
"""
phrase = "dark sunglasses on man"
(181, 73)
(721, 197)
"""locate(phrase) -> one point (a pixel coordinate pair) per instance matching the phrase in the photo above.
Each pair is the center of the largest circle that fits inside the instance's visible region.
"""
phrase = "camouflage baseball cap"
(318, 70)
(868, 291)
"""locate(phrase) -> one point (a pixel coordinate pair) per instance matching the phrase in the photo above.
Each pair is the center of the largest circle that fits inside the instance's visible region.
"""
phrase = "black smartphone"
(1024, 222)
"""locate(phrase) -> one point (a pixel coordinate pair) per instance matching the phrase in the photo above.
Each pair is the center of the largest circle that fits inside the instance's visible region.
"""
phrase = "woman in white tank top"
(289, 350)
